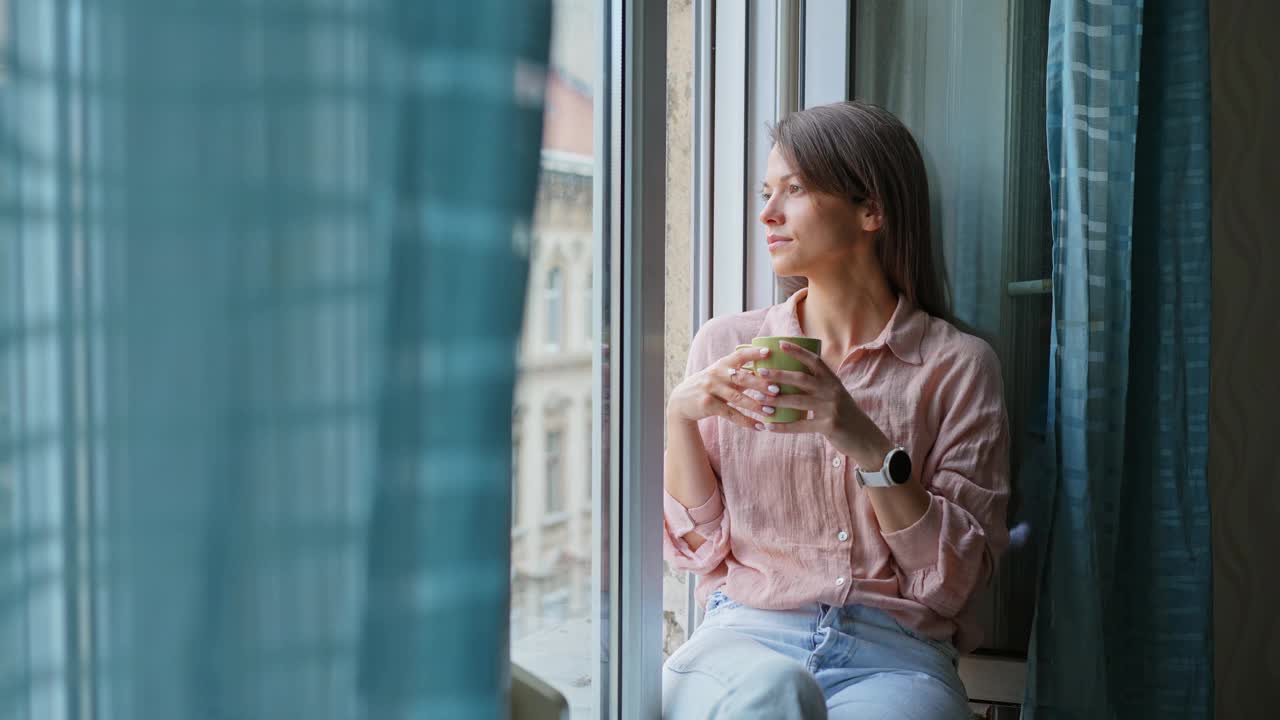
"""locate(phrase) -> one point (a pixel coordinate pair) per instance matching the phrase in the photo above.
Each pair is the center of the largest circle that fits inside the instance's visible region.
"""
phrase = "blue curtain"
(262, 267)
(1123, 624)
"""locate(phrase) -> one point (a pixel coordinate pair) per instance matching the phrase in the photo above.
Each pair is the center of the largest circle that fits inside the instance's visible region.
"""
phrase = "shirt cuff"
(681, 520)
(915, 547)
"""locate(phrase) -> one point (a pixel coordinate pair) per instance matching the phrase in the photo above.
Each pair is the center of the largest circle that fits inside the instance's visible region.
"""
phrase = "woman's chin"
(782, 268)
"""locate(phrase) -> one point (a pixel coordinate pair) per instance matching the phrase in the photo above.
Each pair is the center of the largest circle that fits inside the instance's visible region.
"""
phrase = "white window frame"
(630, 186)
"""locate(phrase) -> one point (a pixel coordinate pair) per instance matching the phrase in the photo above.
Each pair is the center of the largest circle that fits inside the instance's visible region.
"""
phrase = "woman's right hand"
(723, 389)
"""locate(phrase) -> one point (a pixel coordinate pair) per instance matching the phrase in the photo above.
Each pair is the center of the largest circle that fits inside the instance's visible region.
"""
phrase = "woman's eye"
(765, 197)
(795, 189)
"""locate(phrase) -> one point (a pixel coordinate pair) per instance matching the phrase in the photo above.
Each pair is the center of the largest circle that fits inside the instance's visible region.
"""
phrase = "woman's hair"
(863, 153)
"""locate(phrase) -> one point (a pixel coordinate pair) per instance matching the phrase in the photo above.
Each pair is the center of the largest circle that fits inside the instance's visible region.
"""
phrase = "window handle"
(1031, 287)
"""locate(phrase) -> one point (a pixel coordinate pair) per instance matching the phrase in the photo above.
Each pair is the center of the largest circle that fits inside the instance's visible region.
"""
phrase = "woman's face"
(809, 230)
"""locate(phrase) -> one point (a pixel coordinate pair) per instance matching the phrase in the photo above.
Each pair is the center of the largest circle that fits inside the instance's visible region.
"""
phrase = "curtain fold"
(1123, 624)
(262, 270)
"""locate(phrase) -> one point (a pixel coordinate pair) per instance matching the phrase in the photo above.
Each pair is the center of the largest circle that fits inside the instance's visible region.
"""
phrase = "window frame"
(629, 206)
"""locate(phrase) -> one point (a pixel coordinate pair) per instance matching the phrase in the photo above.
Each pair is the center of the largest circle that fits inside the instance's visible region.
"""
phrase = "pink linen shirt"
(789, 524)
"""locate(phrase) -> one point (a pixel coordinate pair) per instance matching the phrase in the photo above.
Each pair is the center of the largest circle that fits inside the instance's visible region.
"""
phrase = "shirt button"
(839, 581)
(835, 463)
(842, 536)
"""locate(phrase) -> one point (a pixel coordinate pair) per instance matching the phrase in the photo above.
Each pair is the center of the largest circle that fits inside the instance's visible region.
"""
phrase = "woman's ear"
(871, 216)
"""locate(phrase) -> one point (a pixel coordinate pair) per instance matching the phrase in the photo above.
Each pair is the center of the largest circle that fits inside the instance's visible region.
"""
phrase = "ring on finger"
(733, 371)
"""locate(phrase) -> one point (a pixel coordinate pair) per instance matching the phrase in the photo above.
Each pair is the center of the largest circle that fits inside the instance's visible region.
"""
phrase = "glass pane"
(551, 581)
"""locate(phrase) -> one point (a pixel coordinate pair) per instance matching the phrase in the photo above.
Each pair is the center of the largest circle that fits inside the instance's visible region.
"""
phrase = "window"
(553, 586)
(552, 301)
(595, 204)
(554, 474)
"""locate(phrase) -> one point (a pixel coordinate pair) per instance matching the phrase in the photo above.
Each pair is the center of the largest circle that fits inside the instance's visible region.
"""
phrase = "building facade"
(551, 426)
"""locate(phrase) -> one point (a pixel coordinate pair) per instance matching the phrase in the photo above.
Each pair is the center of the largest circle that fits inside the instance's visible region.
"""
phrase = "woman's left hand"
(833, 412)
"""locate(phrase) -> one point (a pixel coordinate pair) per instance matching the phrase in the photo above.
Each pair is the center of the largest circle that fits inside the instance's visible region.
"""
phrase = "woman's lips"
(778, 241)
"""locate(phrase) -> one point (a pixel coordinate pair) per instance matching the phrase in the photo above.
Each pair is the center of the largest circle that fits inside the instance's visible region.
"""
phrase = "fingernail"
(764, 351)
(775, 389)
(763, 372)
(754, 394)
(768, 410)
(759, 426)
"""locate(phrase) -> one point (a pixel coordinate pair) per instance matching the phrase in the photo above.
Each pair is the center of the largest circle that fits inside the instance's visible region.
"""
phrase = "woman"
(838, 553)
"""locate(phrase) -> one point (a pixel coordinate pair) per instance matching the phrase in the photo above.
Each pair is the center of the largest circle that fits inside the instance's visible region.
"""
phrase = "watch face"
(899, 468)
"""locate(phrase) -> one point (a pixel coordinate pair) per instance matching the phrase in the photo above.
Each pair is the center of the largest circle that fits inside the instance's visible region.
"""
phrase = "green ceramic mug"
(779, 360)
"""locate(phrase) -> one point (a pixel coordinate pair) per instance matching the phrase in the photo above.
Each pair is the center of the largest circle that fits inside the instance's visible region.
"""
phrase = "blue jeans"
(814, 662)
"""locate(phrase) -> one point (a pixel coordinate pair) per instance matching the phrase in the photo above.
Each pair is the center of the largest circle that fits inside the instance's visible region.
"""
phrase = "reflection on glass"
(551, 582)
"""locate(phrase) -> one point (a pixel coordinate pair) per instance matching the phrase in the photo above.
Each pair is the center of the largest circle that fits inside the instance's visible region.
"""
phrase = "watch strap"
(878, 478)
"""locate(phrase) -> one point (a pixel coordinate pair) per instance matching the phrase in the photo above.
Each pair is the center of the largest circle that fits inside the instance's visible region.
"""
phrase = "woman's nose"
(770, 215)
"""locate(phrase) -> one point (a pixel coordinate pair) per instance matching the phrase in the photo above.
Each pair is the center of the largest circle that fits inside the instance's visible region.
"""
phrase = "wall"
(1244, 475)
(679, 280)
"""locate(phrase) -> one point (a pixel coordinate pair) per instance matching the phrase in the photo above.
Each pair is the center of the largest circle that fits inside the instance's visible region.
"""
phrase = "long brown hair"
(861, 152)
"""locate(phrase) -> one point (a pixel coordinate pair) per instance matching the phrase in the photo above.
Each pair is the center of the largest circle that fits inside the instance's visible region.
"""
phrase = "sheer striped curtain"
(254, 390)
(1124, 621)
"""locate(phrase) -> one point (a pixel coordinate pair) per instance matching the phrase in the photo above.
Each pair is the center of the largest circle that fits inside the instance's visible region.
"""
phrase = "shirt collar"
(903, 333)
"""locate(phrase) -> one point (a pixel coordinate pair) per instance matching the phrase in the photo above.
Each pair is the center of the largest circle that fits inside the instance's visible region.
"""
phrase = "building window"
(553, 299)
(555, 472)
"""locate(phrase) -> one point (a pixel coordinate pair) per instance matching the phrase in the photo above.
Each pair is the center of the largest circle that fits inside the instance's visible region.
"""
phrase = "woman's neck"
(847, 312)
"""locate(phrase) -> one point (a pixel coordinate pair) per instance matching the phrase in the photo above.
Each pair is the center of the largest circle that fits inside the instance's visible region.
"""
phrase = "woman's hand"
(725, 389)
(832, 411)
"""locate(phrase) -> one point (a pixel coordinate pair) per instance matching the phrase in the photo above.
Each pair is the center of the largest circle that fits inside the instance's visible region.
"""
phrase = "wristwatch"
(896, 471)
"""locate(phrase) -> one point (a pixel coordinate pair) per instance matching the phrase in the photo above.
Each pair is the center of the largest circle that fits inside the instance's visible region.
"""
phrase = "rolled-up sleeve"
(952, 549)
(710, 519)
